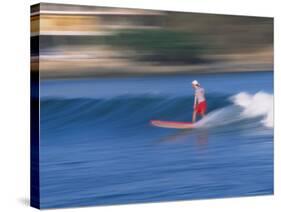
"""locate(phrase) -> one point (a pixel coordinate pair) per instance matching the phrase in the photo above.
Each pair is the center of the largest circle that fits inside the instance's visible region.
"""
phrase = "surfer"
(200, 105)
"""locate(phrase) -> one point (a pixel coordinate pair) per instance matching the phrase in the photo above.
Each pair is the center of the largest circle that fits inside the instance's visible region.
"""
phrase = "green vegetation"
(160, 45)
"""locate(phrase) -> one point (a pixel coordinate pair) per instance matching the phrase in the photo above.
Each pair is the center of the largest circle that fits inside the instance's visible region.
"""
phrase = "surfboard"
(172, 124)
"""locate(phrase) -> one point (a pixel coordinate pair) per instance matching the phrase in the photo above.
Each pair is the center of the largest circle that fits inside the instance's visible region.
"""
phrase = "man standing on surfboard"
(200, 105)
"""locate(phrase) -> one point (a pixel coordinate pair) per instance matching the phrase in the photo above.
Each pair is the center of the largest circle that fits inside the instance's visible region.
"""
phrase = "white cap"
(195, 82)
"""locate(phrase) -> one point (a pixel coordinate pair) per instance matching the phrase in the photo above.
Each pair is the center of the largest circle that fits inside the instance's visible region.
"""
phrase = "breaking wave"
(136, 111)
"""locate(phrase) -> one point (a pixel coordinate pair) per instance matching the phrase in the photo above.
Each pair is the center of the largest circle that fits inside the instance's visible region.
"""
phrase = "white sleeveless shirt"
(200, 94)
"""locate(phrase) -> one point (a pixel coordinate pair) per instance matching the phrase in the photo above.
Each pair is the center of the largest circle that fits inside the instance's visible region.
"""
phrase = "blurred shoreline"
(117, 74)
(69, 41)
(67, 68)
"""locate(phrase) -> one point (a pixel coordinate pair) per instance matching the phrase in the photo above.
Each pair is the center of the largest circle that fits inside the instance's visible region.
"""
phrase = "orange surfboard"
(172, 124)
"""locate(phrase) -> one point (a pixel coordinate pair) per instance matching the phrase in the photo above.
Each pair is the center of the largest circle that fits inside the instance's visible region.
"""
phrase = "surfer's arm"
(195, 101)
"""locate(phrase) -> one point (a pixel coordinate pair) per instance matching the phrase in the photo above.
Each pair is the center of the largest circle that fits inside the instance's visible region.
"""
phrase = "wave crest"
(259, 104)
(245, 106)
(136, 110)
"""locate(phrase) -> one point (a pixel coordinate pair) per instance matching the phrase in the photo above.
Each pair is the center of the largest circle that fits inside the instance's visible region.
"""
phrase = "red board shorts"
(201, 107)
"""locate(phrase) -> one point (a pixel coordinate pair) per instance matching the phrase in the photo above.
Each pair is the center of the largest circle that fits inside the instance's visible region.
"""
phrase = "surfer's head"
(195, 83)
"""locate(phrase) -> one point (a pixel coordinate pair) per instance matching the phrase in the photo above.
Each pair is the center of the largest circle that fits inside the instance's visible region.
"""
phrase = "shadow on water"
(198, 137)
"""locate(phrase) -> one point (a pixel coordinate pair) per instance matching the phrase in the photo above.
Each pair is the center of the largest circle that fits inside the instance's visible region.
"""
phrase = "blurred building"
(70, 35)
(59, 19)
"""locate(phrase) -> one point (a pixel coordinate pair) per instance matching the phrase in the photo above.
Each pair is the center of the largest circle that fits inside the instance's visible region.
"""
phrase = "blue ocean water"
(97, 146)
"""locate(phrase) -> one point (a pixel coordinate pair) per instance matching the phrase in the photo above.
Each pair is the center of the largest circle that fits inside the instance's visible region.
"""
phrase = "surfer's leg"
(194, 116)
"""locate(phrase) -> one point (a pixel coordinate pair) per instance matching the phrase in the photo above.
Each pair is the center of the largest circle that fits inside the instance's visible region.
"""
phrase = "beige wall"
(68, 23)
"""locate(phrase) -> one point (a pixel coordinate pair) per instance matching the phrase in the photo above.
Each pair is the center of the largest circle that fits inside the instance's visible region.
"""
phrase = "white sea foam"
(259, 104)
(244, 106)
